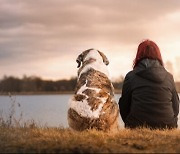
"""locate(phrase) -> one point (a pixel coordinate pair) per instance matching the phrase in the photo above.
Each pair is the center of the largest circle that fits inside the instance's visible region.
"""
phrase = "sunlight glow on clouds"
(44, 38)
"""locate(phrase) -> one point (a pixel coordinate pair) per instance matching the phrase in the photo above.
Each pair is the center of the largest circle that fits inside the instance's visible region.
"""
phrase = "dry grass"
(59, 140)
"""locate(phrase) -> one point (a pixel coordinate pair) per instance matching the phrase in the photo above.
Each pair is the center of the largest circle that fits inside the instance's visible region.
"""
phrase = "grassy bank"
(59, 140)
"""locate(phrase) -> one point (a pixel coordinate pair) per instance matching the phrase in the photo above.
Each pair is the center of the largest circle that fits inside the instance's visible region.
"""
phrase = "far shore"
(43, 93)
(35, 93)
(47, 93)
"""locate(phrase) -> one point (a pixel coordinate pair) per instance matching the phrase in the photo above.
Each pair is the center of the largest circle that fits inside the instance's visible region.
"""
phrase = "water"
(45, 110)
(50, 110)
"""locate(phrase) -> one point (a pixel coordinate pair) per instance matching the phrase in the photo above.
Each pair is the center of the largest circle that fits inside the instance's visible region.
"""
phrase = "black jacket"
(149, 97)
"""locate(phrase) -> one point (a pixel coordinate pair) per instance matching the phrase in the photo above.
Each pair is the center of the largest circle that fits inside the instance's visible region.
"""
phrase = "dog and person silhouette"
(149, 97)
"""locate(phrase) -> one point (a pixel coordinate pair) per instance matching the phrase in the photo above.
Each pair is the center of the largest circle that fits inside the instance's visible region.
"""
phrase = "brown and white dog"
(93, 105)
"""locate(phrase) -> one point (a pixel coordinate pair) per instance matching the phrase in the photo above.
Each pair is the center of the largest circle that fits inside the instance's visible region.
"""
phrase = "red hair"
(147, 49)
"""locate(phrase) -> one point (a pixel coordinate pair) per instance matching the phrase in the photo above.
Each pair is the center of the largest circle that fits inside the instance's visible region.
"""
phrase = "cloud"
(34, 32)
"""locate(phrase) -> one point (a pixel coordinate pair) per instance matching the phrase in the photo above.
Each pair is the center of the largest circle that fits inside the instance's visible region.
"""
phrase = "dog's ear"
(79, 60)
(81, 57)
(105, 60)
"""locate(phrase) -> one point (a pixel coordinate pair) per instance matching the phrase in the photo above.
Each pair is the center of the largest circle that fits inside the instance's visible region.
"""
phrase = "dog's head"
(91, 54)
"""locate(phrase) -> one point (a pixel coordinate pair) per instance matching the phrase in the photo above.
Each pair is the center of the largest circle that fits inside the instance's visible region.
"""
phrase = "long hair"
(147, 49)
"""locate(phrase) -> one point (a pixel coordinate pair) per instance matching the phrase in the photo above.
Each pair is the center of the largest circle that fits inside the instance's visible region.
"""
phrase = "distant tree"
(67, 85)
(31, 83)
(12, 84)
(118, 83)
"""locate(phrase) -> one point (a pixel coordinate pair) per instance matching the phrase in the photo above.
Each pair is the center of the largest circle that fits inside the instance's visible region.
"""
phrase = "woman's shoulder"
(130, 74)
(170, 76)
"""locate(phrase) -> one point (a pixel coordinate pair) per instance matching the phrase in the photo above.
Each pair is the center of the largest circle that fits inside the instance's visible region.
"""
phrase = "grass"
(59, 140)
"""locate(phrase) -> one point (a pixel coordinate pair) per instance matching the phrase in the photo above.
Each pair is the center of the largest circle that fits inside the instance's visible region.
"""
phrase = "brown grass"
(59, 140)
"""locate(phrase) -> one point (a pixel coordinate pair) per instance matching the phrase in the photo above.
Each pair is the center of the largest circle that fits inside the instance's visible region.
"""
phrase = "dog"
(93, 105)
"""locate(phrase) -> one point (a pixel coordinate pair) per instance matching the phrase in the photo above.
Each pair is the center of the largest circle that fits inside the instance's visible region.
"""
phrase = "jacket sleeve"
(175, 98)
(175, 102)
(125, 99)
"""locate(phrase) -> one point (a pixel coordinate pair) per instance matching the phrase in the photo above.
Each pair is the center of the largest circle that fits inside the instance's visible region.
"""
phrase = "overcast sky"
(44, 37)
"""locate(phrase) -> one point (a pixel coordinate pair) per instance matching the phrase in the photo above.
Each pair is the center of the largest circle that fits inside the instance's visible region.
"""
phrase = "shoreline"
(43, 93)
(35, 93)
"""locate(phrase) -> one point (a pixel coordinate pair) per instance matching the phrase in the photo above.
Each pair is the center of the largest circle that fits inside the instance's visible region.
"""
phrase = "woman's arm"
(125, 100)
(175, 98)
(175, 102)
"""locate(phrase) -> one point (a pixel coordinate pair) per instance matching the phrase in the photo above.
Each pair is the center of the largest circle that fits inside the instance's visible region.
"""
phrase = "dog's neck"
(96, 64)
(90, 60)
(85, 63)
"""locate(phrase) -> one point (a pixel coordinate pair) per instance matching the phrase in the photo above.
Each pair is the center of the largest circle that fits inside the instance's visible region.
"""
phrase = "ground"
(60, 140)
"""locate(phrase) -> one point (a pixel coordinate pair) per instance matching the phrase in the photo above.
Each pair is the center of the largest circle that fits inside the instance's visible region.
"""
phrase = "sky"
(44, 37)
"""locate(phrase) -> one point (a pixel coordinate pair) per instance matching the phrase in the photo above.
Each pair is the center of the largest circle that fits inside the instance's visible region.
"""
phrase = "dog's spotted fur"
(93, 105)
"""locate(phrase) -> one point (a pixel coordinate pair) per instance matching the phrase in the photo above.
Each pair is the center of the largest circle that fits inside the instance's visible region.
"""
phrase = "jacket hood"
(151, 70)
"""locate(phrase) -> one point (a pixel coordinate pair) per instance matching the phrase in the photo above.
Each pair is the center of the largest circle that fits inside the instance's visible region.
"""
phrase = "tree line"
(36, 84)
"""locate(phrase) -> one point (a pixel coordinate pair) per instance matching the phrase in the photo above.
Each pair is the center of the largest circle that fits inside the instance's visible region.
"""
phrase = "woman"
(149, 97)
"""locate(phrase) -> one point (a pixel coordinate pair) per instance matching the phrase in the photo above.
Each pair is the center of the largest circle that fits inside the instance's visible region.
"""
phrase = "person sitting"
(149, 97)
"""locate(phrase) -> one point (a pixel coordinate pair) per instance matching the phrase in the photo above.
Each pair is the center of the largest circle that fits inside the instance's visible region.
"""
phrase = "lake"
(45, 110)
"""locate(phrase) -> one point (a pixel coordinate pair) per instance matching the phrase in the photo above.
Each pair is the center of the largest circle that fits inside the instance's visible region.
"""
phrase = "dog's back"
(93, 105)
